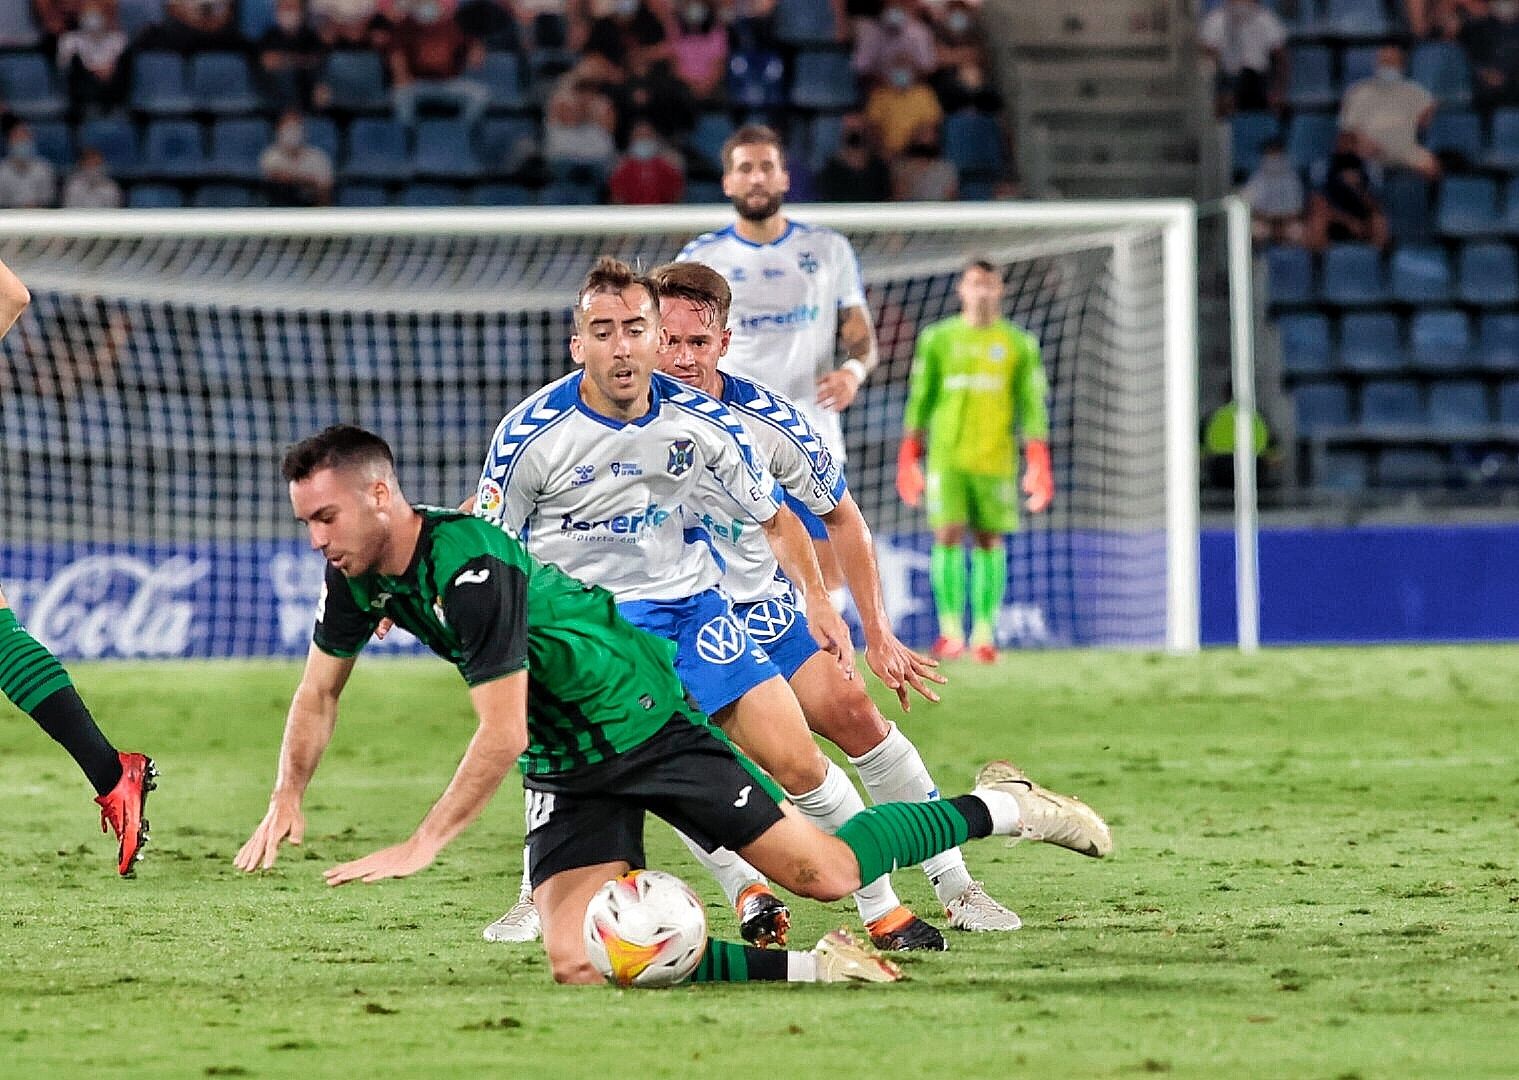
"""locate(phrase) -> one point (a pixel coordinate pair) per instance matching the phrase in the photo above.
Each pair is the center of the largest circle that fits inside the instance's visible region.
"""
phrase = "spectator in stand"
(191, 26)
(27, 182)
(1492, 42)
(1248, 45)
(493, 23)
(1441, 18)
(653, 92)
(91, 58)
(901, 105)
(351, 24)
(290, 53)
(649, 174)
(89, 186)
(957, 36)
(620, 29)
(699, 49)
(855, 173)
(577, 135)
(295, 173)
(53, 18)
(897, 40)
(1344, 210)
(1386, 114)
(429, 55)
(922, 174)
(1275, 194)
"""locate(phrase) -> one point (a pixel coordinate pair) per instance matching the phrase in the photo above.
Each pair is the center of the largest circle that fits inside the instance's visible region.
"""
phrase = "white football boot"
(842, 958)
(1045, 815)
(519, 924)
(976, 911)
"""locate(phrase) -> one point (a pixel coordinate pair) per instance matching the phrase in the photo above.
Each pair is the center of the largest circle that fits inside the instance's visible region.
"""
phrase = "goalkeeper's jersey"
(603, 499)
(788, 447)
(971, 388)
(785, 314)
(597, 685)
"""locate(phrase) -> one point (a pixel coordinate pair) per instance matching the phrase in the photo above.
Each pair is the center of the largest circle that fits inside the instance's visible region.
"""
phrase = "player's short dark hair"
(341, 446)
(981, 262)
(698, 283)
(611, 274)
(752, 135)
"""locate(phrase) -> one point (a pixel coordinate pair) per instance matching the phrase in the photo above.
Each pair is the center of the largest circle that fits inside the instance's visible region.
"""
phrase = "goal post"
(169, 357)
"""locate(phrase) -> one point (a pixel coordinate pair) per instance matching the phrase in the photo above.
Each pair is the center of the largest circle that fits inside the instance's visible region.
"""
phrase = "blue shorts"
(714, 656)
(779, 626)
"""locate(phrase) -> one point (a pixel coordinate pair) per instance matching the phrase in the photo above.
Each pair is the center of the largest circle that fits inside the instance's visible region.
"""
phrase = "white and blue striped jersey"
(603, 499)
(785, 444)
(785, 315)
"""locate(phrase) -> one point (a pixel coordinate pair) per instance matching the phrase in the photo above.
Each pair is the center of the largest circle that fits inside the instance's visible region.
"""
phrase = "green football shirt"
(597, 685)
(972, 388)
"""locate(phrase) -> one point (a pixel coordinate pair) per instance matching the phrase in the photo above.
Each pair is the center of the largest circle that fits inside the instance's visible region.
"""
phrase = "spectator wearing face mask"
(1386, 114)
(922, 174)
(647, 175)
(90, 58)
(897, 40)
(1275, 195)
(699, 49)
(957, 36)
(898, 107)
(429, 55)
(89, 186)
(1248, 45)
(854, 173)
(1493, 45)
(295, 173)
(290, 53)
(1344, 210)
(27, 182)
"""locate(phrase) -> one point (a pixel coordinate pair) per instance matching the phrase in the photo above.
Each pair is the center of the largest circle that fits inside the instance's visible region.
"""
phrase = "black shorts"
(685, 773)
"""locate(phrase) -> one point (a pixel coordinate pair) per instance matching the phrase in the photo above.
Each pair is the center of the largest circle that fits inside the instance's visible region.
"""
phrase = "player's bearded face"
(756, 182)
(618, 344)
(692, 345)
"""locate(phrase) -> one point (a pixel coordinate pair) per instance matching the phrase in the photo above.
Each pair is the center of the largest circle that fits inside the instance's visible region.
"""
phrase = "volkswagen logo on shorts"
(721, 641)
(769, 620)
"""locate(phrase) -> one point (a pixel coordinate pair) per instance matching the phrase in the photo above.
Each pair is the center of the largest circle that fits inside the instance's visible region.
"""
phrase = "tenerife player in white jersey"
(592, 472)
(797, 294)
(693, 301)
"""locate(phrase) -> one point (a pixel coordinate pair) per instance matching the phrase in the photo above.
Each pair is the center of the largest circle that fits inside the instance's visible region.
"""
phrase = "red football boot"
(122, 807)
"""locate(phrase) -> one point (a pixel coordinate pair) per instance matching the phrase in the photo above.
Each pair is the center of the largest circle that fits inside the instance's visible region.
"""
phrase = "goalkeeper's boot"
(843, 959)
(122, 808)
(1046, 815)
(900, 930)
(763, 918)
(975, 910)
(984, 654)
(519, 924)
(948, 648)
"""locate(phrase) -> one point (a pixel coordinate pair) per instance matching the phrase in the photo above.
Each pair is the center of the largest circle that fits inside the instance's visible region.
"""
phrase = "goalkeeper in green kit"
(976, 378)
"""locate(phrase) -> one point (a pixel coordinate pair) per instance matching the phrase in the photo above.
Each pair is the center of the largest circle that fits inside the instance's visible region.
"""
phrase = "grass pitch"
(1317, 875)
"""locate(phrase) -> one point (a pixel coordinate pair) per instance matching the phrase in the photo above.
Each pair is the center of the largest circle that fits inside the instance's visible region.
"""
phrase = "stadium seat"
(1442, 69)
(824, 79)
(1344, 470)
(1310, 79)
(1321, 408)
(1455, 131)
(978, 189)
(501, 72)
(430, 195)
(116, 139)
(756, 79)
(29, 87)
(173, 148)
(1503, 144)
(1305, 343)
(1289, 275)
(1439, 338)
(1410, 467)
(220, 83)
(1310, 138)
(545, 65)
(703, 192)
(155, 197)
(1508, 402)
(569, 193)
(235, 148)
(1360, 19)
(501, 195)
(137, 15)
(356, 81)
(504, 143)
(377, 150)
(1370, 342)
(1419, 274)
(1510, 222)
(1405, 201)
(973, 144)
(1248, 133)
(55, 144)
(1392, 405)
(444, 150)
(1352, 274)
(226, 195)
(1488, 275)
(1356, 63)
(705, 146)
(1498, 341)
(361, 195)
(1458, 407)
(803, 22)
(254, 17)
(159, 85)
(1468, 206)
(322, 133)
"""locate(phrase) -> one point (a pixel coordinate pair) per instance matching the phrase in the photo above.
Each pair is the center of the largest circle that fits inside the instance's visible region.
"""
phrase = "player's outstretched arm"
(499, 741)
(308, 729)
(13, 298)
(799, 562)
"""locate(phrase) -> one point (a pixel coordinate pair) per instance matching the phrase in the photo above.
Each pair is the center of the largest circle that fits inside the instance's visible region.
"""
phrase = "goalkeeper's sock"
(892, 835)
(36, 683)
(946, 573)
(834, 802)
(724, 961)
(988, 581)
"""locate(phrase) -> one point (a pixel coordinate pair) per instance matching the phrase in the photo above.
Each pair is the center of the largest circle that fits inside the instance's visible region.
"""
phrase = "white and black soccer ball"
(646, 929)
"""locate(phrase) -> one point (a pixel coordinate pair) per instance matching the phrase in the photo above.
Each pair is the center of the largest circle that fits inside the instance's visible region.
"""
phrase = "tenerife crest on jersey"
(682, 457)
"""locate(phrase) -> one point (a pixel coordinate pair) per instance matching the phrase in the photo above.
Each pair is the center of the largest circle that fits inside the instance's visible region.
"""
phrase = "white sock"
(1003, 809)
(801, 967)
(730, 871)
(832, 803)
(527, 882)
(893, 771)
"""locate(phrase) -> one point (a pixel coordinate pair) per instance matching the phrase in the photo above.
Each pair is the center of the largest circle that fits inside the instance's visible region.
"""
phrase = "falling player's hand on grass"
(401, 860)
(284, 821)
(901, 669)
(1038, 476)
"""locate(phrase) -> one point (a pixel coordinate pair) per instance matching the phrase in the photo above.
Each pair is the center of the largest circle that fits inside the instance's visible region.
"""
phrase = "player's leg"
(36, 683)
(946, 501)
(993, 514)
(520, 923)
(561, 902)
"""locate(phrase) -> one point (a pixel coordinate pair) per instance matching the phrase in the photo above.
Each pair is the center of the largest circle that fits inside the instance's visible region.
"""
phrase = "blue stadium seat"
(29, 87)
(444, 150)
(159, 84)
(116, 139)
(502, 195)
(220, 83)
(824, 79)
(226, 196)
(1310, 138)
(1310, 79)
(1508, 402)
(173, 148)
(1289, 275)
(1458, 407)
(503, 143)
(1442, 69)
(1389, 405)
(756, 79)
(501, 72)
(1420, 274)
(706, 142)
(1405, 201)
(1439, 338)
(138, 15)
(322, 133)
(803, 22)
(356, 81)
(377, 150)
(1361, 19)
(1321, 407)
(1455, 131)
(1410, 467)
(361, 195)
(1510, 222)
(973, 143)
(1344, 470)
(1468, 206)
(155, 197)
(1305, 343)
(1370, 342)
(1249, 132)
(1488, 275)
(703, 192)
(1498, 342)
(1352, 274)
(1356, 63)
(978, 189)
(254, 17)
(235, 148)
(430, 195)
(569, 193)
(55, 144)
(1503, 144)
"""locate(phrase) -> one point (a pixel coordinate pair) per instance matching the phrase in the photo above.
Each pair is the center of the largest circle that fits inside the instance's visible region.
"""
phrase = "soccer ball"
(646, 928)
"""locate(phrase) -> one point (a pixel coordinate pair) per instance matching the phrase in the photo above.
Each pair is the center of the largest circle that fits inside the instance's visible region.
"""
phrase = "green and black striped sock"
(724, 961)
(892, 835)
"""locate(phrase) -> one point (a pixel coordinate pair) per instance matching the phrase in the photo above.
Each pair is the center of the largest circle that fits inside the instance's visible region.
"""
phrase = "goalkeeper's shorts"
(984, 503)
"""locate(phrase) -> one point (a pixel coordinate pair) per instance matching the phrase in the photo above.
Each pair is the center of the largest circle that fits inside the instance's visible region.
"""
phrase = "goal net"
(168, 359)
